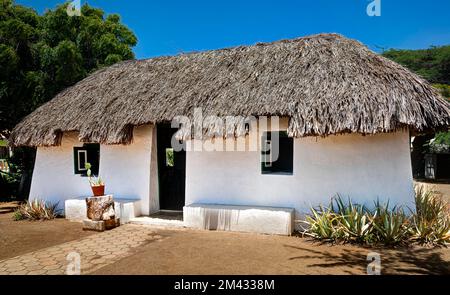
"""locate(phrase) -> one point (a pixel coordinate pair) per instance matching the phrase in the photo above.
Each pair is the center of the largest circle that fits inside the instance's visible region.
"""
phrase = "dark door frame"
(171, 178)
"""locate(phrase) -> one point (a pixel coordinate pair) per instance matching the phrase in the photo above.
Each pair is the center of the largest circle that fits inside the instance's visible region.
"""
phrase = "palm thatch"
(326, 84)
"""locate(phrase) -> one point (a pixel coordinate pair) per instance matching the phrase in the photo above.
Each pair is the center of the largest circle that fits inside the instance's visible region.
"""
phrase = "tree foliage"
(433, 64)
(444, 89)
(42, 54)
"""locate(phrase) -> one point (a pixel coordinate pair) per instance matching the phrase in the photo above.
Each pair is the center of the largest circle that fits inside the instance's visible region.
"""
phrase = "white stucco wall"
(125, 169)
(362, 167)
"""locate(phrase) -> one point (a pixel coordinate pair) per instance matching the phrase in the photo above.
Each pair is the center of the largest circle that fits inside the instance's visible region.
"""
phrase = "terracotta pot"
(98, 190)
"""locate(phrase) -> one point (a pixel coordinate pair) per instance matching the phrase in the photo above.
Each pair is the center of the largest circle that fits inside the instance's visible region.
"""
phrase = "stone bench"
(267, 220)
(126, 209)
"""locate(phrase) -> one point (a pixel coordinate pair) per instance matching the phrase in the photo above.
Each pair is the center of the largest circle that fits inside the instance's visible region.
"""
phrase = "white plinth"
(126, 209)
(267, 220)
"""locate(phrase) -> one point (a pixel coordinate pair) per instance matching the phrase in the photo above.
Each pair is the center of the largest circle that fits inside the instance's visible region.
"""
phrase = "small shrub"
(17, 215)
(429, 205)
(391, 226)
(354, 220)
(349, 222)
(36, 210)
(431, 221)
(321, 225)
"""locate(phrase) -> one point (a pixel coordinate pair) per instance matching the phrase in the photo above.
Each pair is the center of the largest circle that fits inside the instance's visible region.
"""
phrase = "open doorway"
(171, 171)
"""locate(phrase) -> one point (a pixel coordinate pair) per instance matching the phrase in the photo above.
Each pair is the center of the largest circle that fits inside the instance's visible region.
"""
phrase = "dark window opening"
(88, 153)
(277, 153)
(169, 157)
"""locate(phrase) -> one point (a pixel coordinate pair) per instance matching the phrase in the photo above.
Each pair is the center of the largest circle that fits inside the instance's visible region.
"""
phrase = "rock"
(93, 225)
(100, 208)
(112, 223)
(100, 225)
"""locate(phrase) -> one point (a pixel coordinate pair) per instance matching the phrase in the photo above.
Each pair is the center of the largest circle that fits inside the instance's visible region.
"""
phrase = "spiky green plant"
(344, 221)
(354, 220)
(431, 221)
(321, 225)
(36, 210)
(391, 226)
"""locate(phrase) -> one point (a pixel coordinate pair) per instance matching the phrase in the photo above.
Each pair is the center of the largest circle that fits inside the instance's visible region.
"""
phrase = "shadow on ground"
(393, 261)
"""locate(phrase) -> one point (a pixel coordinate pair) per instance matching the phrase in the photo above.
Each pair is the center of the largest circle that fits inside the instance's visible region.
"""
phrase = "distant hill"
(433, 64)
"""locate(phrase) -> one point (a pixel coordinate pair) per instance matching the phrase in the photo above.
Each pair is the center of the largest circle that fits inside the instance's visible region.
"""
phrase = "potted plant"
(97, 184)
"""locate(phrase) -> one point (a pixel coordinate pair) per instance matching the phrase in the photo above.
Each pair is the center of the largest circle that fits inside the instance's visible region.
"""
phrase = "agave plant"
(391, 226)
(354, 220)
(321, 225)
(349, 222)
(429, 205)
(431, 221)
(36, 210)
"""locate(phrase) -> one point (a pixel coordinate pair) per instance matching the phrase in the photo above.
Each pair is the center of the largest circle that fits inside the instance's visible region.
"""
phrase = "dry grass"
(326, 84)
(36, 210)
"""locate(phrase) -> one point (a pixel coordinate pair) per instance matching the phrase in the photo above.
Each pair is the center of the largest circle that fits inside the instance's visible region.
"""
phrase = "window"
(169, 157)
(88, 153)
(277, 153)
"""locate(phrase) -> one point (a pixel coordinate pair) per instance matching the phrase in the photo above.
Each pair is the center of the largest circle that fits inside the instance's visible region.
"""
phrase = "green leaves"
(391, 226)
(68, 63)
(40, 55)
(9, 60)
(93, 181)
(431, 220)
(88, 166)
(322, 225)
(433, 64)
(348, 222)
(37, 210)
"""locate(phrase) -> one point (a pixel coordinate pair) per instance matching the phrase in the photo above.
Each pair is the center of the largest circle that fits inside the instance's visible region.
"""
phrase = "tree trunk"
(100, 208)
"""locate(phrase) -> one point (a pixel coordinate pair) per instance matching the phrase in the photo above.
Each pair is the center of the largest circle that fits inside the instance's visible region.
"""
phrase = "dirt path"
(212, 252)
(183, 251)
(92, 252)
(19, 237)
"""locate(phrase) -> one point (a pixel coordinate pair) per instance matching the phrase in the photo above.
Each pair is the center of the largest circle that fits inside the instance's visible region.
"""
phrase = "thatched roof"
(327, 84)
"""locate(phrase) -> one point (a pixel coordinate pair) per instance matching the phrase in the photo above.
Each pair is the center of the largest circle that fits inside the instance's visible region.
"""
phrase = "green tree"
(433, 63)
(40, 55)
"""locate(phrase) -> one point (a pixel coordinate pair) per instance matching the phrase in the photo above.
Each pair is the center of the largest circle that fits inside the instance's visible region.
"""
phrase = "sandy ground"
(202, 252)
(19, 237)
(185, 251)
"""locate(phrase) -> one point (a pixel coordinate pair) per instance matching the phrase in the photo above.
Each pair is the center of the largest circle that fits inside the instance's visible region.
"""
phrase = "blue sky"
(171, 27)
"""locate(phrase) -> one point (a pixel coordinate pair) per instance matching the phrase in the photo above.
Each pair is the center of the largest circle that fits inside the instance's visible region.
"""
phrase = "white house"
(341, 116)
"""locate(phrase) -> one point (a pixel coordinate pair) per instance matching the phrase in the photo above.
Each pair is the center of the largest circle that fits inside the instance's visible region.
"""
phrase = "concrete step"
(156, 222)
(258, 219)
